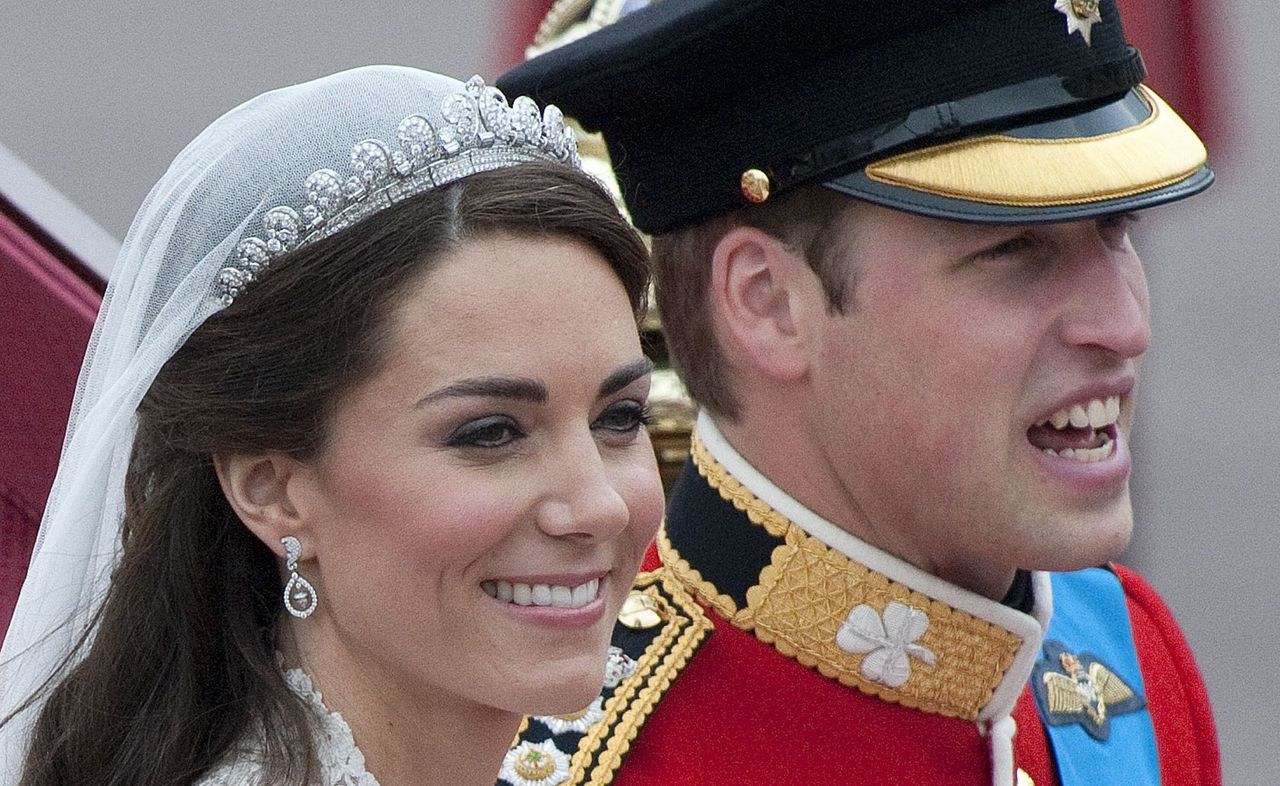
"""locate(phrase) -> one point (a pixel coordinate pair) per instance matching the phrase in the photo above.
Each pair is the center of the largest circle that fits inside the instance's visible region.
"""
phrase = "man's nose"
(1108, 304)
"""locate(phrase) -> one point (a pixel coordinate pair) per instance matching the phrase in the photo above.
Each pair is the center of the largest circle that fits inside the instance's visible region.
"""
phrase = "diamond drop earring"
(299, 596)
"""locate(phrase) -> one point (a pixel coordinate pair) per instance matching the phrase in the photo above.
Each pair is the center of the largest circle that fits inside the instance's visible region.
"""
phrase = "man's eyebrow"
(521, 388)
(624, 376)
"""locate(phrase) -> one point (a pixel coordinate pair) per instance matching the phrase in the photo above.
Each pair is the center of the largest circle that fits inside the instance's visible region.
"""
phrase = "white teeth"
(1086, 455)
(1096, 413)
(560, 597)
(521, 594)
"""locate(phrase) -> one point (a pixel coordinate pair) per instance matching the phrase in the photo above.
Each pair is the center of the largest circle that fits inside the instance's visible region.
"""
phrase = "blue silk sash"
(1091, 620)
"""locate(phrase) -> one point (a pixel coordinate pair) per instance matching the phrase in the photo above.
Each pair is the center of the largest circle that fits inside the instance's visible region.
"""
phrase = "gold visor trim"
(1004, 170)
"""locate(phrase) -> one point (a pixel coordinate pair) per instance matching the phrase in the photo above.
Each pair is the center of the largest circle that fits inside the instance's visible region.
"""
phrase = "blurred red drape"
(46, 315)
(521, 25)
(1177, 40)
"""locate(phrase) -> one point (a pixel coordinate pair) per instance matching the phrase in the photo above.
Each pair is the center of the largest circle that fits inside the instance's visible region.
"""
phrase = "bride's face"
(484, 501)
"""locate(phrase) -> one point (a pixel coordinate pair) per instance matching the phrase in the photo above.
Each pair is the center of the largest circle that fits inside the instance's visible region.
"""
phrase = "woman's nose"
(584, 499)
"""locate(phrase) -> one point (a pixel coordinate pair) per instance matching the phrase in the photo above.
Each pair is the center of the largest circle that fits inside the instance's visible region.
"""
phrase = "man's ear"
(763, 294)
(258, 490)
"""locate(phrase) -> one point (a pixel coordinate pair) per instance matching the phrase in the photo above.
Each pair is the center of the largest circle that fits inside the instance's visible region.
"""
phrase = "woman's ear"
(761, 292)
(258, 490)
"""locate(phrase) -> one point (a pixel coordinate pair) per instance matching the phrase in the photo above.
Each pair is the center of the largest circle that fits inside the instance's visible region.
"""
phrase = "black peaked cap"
(690, 94)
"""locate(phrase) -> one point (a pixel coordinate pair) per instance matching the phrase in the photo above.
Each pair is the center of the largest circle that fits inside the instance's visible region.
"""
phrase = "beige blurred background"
(96, 99)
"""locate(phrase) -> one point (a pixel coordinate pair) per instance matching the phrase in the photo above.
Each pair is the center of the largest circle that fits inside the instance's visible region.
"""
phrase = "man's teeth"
(560, 597)
(1086, 455)
(1097, 413)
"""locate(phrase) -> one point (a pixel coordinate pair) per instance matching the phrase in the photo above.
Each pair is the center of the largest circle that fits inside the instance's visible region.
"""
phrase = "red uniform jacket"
(759, 653)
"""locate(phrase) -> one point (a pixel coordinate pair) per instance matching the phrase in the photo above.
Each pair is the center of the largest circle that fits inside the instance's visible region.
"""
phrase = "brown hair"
(808, 220)
(182, 661)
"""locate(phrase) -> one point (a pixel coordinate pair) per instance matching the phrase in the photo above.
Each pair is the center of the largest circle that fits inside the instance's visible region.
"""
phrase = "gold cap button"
(754, 185)
(640, 612)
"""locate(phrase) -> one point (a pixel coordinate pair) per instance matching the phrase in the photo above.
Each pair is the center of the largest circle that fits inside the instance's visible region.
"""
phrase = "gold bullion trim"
(805, 594)
(692, 579)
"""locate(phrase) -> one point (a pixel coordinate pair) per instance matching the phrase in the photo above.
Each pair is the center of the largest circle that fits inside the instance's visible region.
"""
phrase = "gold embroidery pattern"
(803, 596)
(684, 625)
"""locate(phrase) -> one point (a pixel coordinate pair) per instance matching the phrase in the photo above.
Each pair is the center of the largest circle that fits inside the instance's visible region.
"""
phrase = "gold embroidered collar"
(891, 630)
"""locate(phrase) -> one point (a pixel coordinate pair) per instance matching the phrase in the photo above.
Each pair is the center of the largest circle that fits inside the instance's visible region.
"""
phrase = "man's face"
(941, 393)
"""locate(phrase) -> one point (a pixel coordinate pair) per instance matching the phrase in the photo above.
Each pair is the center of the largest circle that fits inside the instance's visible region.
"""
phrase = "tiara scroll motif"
(481, 132)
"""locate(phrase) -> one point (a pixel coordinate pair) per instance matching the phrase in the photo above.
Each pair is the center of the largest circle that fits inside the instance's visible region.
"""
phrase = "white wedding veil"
(199, 236)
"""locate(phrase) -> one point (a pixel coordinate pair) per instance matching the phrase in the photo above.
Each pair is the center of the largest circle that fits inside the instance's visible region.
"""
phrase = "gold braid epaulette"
(681, 627)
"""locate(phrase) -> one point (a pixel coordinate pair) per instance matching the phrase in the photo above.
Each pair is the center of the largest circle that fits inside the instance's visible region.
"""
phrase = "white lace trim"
(341, 762)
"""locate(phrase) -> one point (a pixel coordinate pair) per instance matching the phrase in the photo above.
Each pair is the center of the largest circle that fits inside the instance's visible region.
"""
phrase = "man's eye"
(1017, 245)
(491, 432)
(624, 417)
(1116, 227)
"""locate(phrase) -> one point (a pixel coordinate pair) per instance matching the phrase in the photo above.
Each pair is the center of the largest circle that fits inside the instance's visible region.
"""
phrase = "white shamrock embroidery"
(886, 641)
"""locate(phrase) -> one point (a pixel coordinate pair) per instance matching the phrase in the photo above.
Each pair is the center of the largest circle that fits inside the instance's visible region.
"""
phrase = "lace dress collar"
(340, 760)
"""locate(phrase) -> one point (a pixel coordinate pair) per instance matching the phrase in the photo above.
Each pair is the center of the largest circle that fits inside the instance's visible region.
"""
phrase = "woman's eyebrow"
(624, 376)
(521, 388)
(526, 389)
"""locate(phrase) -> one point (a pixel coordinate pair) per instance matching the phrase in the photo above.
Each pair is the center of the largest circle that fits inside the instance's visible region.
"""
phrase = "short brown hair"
(808, 220)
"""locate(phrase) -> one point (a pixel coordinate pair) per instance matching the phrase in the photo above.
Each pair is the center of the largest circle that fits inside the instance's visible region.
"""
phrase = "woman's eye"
(491, 432)
(624, 417)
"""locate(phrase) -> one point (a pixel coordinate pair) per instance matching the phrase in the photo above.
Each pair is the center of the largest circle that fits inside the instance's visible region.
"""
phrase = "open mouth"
(554, 595)
(1084, 432)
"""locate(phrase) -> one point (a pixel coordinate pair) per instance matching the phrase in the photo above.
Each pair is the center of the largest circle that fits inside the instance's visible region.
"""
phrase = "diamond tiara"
(481, 132)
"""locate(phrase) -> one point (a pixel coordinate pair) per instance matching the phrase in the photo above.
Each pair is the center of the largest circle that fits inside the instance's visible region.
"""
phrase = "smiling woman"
(352, 483)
